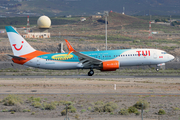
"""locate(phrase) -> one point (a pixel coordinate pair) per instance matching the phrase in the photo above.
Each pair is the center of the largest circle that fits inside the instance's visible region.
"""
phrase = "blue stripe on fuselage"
(102, 55)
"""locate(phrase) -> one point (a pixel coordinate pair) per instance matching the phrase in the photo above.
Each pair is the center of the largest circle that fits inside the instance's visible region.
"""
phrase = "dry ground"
(85, 92)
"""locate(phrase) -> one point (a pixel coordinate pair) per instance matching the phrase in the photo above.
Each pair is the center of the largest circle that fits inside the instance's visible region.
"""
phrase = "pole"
(106, 32)
(66, 113)
(106, 14)
(28, 25)
(150, 31)
(59, 34)
(142, 112)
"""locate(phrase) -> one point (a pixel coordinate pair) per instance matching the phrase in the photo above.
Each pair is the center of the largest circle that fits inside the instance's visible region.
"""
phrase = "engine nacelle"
(110, 65)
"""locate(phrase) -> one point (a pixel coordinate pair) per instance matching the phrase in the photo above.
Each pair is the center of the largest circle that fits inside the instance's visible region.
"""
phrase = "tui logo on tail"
(18, 49)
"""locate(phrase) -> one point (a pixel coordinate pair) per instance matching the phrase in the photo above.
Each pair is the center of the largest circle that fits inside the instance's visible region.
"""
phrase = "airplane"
(109, 60)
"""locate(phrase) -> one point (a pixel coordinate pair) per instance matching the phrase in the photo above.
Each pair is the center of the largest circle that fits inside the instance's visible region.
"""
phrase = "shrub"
(17, 108)
(33, 113)
(138, 104)
(37, 104)
(12, 112)
(99, 103)
(111, 113)
(25, 110)
(71, 109)
(5, 110)
(123, 112)
(63, 112)
(176, 109)
(32, 99)
(98, 108)
(161, 112)
(89, 108)
(66, 102)
(12, 100)
(132, 109)
(137, 113)
(108, 107)
(77, 116)
(49, 106)
(83, 110)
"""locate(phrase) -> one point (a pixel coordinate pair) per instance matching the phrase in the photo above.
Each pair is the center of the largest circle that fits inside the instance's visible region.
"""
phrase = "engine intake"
(110, 65)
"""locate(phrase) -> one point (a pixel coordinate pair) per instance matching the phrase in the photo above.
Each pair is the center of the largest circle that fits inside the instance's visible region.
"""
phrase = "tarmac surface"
(86, 76)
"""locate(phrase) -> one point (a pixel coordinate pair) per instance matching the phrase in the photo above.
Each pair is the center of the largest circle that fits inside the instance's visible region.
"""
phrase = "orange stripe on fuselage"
(28, 57)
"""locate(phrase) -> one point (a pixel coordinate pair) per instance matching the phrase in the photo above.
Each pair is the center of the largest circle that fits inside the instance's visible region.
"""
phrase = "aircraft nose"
(171, 57)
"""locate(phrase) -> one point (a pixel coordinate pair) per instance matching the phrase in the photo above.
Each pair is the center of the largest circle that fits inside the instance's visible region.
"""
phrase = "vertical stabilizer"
(18, 43)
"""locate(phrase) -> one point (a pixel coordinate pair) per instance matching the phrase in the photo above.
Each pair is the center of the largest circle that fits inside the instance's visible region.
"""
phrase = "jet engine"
(110, 65)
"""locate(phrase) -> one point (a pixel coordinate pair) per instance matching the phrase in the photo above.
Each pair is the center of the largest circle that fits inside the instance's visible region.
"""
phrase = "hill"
(88, 7)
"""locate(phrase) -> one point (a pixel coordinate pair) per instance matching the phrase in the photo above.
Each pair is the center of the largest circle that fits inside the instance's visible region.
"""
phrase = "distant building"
(82, 19)
(68, 16)
(37, 35)
(96, 16)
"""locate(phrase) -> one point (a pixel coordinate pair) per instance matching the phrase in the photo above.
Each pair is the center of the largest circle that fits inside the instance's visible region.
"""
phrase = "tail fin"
(18, 43)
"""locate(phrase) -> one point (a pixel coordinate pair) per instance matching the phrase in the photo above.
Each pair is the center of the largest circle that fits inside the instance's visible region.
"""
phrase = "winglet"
(71, 49)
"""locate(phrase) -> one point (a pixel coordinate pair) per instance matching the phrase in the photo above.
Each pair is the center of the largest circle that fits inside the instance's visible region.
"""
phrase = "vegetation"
(32, 99)
(126, 72)
(123, 112)
(26, 110)
(33, 113)
(101, 107)
(139, 103)
(175, 23)
(12, 112)
(161, 112)
(22, 21)
(132, 110)
(49, 106)
(37, 104)
(71, 109)
(83, 110)
(77, 116)
(161, 20)
(89, 108)
(12, 100)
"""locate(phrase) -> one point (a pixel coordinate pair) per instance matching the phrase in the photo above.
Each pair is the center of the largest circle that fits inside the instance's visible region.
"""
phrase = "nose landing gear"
(91, 73)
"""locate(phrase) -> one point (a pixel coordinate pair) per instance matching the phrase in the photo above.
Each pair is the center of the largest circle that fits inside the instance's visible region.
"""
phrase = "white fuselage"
(130, 57)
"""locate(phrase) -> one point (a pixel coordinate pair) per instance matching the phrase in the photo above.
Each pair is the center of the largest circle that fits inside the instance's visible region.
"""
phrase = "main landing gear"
(157, 69)
(91, 73)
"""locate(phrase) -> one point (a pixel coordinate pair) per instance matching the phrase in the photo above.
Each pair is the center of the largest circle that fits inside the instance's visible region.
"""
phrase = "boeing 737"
(109, 60)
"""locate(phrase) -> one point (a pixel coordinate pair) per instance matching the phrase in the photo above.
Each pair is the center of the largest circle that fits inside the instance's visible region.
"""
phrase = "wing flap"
(87, 61)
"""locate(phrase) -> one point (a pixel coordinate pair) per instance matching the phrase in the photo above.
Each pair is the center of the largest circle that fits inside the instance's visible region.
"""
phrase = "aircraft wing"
(17, 57)
(87, 61)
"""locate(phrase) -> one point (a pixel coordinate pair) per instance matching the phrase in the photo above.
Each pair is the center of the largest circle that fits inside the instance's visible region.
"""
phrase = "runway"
(85, 76)
(126, 94)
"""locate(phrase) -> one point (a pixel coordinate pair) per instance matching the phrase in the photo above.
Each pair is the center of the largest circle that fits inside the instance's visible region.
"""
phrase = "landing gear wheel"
(157, 69)
(90, 73)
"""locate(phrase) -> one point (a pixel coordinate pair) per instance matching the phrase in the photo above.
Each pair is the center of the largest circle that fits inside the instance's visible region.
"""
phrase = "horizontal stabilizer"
(17, 57)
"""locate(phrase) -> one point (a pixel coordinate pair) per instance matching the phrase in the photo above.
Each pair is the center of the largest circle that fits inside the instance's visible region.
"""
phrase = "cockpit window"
(163, 53)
